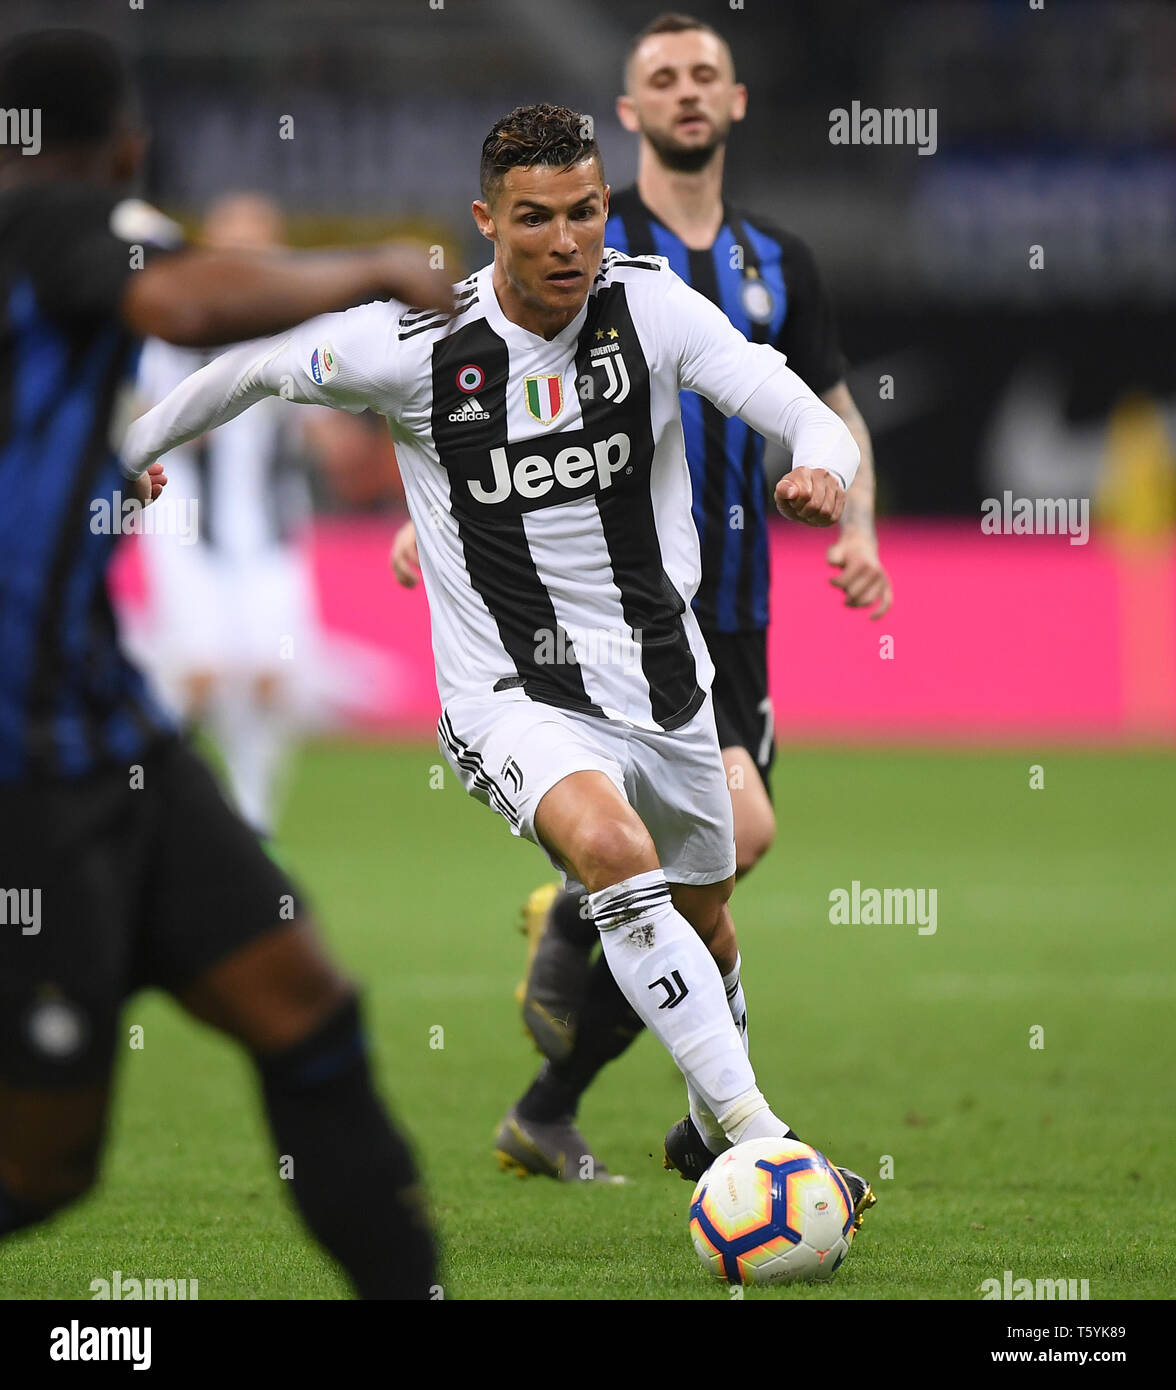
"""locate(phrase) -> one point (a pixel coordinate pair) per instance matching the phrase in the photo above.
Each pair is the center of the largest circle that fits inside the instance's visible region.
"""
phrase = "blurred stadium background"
(1055, 129)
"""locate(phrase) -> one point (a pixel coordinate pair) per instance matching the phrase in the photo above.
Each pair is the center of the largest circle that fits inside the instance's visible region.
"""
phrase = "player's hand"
(862, 577)
(404, 560)
(147, 486)
(811, 495)
(408, 276)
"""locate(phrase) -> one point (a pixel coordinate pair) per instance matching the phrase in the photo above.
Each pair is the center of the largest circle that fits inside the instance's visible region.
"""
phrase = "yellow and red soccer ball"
(771, 1211)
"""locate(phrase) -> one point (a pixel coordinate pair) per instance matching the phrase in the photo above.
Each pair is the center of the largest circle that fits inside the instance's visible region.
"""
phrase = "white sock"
(706, 1124)
(669, 977)
(703, 1117)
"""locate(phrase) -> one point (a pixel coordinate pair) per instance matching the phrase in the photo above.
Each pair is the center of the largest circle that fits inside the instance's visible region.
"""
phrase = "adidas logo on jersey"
(571, 470)
(469, 411)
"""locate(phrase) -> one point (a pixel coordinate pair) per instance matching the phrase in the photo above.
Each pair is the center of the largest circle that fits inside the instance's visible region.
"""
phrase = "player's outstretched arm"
(210, 397)
(348, 360)
(206, 298)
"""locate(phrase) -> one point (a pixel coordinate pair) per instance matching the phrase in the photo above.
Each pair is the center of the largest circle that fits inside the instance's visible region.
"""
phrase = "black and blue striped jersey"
(70, 701)
(766, 281)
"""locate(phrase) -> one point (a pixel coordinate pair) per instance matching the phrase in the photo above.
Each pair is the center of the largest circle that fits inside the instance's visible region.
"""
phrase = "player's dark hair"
(672, 22)
(543, 134)
(76, 79)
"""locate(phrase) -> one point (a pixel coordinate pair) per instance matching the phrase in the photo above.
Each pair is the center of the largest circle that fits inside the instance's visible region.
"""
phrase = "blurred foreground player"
(127, 864)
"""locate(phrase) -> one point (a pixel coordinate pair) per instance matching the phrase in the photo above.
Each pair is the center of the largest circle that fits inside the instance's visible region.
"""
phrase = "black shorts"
(743, 711)
(110, 883)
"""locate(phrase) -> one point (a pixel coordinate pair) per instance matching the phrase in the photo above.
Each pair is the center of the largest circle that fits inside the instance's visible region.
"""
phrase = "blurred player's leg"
(253, 732)
(50, 1143)
(220, 945)
(64, 954)
(155, 880)
(262, 702)
(352, 1175)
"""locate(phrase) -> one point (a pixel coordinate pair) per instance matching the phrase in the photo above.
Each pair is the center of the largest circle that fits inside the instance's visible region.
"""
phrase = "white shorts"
(509, 751)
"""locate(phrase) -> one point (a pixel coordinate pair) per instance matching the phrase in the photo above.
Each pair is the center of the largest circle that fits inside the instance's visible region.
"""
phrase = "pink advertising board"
(989, 638)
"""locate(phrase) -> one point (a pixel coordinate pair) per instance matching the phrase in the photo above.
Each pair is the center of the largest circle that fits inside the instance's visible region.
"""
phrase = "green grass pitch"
(1055, 911)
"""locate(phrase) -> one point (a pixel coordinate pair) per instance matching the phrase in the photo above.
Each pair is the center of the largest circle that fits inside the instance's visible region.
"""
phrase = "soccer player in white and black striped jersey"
(540, 442)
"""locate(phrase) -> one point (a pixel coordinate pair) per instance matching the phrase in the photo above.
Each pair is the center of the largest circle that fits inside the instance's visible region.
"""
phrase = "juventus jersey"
(547, 478)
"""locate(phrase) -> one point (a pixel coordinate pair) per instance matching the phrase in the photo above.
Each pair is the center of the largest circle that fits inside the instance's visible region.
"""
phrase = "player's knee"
(749, 851)
(610, 850)
(335, 1046)
(272, 992)
(753, 843)
(312, 984)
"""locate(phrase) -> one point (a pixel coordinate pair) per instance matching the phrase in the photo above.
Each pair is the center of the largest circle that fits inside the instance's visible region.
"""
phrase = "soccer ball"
(771, 1211)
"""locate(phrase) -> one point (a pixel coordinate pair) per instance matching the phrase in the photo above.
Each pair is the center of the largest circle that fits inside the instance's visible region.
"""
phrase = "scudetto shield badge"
(544, 395)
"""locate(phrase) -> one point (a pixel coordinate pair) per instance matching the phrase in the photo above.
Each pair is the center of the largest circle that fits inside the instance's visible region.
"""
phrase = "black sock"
(353, 1177)
(608, 1024)
(569, 919)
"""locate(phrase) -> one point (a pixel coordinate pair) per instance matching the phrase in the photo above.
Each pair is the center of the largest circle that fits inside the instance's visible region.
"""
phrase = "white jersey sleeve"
(753, 381)
(714, 358)
(349, 360)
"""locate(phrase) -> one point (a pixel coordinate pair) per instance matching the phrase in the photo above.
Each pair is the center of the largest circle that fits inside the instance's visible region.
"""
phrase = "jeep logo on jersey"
(525, 480)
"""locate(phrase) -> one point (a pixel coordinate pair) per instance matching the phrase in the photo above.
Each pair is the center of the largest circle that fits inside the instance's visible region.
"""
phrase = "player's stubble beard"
(681, 159)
